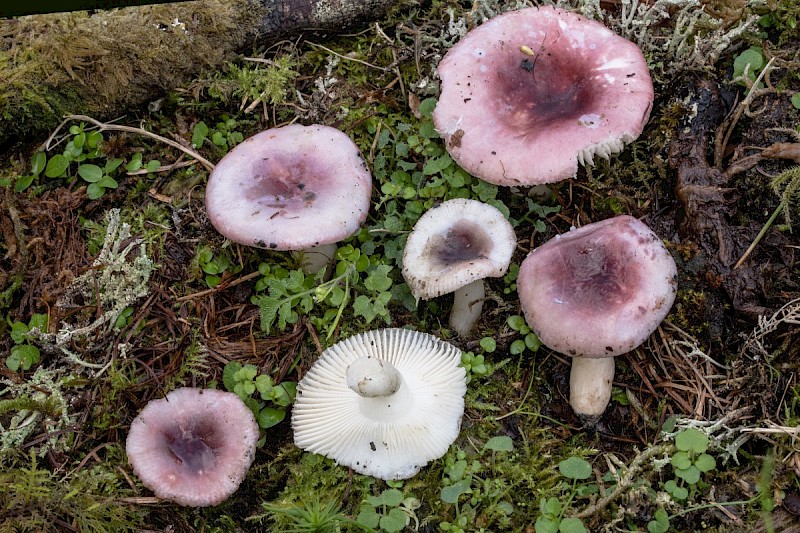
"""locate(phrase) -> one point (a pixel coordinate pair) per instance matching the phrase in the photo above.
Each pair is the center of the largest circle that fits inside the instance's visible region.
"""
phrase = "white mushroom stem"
(590, 385)
(467, 306)
(372, 378)
(313, 259)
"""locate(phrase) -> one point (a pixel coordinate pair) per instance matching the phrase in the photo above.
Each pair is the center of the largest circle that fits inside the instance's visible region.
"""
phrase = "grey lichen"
(119, 278)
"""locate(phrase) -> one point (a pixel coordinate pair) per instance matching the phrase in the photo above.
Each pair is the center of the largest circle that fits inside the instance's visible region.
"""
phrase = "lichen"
(118, 278)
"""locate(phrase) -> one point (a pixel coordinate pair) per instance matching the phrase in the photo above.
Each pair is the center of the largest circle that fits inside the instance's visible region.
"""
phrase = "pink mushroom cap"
(531, 93)
(600, 290)
(194, 446)
(290, 188)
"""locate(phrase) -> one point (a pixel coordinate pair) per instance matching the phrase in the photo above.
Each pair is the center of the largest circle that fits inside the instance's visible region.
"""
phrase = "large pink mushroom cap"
(193, 447)
(600, 290)
(290, 188)
(531, 93)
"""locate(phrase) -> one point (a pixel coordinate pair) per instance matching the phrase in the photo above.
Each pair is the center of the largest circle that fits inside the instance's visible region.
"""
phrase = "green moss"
(34, 499)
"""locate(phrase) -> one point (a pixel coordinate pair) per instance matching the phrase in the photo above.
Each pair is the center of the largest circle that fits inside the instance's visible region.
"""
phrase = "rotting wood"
(106, 63)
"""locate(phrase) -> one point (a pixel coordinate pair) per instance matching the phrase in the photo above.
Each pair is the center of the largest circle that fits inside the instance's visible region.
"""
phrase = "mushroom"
(531, 93)
(452, 248)
(384, 402)
(594, 293)
(193, 447)
(291, 188)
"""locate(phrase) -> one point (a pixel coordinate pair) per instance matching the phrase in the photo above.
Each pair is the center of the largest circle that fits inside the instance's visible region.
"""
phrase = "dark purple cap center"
(535, 92)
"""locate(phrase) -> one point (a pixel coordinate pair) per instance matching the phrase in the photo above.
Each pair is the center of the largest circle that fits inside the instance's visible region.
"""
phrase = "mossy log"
(107, 62)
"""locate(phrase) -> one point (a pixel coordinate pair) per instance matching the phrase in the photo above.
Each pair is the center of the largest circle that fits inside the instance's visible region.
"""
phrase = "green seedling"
(137, 164)
(270, 406)
(290, 293)
(214, 266)
(690, 460)
(553, 509)
(749, 61)
(24, 354)
(83, 146)
(470, 488)
(529, 340)
(392, 511)
(224, 136)
(38, 161)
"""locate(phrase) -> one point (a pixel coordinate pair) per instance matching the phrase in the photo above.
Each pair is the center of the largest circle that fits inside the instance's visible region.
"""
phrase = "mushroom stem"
(467, 306)
(313, 259)
(590, 386)
(372, 378)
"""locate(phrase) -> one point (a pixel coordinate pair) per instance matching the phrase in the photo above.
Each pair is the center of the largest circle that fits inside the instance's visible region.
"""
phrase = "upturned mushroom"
(452, 248)
(301, 188)
(594, 293)
(193, 447)
(531, 93)
(384, 402)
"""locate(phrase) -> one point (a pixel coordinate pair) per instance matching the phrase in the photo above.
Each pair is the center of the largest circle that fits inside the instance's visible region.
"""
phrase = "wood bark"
(106, 63)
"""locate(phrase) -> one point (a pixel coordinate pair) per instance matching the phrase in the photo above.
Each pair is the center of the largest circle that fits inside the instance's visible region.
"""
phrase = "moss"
(34, 499)
(61, 63)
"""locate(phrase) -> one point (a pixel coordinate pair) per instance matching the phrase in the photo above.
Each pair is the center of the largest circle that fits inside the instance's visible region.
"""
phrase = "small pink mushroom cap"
(455, 243)
(290, 188)
(531, 93)
(193, 447)
(600, 290)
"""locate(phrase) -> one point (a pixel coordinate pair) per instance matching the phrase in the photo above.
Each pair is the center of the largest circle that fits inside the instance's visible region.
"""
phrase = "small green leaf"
(135, 163)
(107, 182)
(516, 322)
(690, 475)
(19, 332)
(488, 344)
(23, 182)
(90, 173)
(199, 134)
(153, 165)
(228, 375)
(550, 506)
(451, 493)
(270, 416)
(705, 463)
(38, 162)
(517, 347)
(571, 525)
(426, 107)
(434, 166)
(796, 100)
(391, 497)
(112, 165)
(95, 191)
(26, 355)
(681, 460)
(57, 166)
(691, 440)
(395, 520)
(753, 56)
(545, 525)
(368, 517)
(38, 320)
(93, 138)
(575, 468)
(500, 443)
(378, 279)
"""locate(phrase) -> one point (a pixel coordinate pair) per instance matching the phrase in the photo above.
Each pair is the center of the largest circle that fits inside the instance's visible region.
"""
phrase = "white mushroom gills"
(384, 402)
